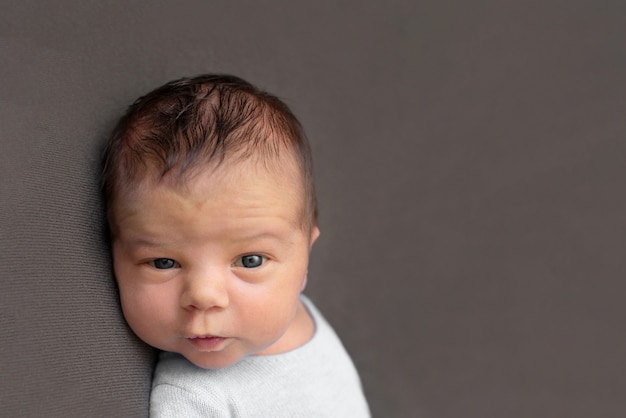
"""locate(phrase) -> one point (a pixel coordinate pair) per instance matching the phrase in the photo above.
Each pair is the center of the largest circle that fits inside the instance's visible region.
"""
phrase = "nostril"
(205, 288)
(204, 300)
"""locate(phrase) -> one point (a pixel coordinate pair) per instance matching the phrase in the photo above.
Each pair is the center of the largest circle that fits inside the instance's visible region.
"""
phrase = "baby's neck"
(299, 333)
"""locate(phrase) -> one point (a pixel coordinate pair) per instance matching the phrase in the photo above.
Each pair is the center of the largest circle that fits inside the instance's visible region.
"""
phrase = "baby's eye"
(163, 263)
(250, 261)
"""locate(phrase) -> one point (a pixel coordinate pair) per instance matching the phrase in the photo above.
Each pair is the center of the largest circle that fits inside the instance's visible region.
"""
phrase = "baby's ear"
(315, 233)
(306, 278)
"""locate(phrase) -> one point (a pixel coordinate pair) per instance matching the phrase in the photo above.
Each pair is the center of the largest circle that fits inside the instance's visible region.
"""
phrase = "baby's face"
(214, 273)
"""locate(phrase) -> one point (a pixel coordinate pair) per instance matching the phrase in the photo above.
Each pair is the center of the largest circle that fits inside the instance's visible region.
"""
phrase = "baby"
(212, 212)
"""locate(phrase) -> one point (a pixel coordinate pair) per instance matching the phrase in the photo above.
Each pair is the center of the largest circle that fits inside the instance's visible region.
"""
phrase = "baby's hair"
(191, 122)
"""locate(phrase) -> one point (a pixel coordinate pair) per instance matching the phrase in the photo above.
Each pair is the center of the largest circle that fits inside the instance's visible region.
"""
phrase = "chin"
(212, 361)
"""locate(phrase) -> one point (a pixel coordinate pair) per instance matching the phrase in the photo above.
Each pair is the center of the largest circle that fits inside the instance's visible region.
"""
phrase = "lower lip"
(207, 343)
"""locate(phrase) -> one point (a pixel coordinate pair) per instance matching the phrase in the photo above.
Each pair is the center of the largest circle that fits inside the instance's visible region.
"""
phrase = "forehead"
(278, 176)
(266, 183)
(247, 186)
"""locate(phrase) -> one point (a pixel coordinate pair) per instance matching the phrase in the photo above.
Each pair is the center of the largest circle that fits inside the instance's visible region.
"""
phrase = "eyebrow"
(264, 235)
(145, 242)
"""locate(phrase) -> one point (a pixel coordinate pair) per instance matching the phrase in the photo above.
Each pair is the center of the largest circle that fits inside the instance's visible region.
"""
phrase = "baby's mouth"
(207, 342)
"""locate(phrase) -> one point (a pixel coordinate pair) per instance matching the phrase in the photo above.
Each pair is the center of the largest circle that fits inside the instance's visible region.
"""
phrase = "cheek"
(145, 310)
(139, 300)
(146, 323)
(133, 306)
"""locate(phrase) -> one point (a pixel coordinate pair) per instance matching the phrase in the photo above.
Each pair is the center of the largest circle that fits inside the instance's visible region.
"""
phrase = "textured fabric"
(315, 380)
(65, 350)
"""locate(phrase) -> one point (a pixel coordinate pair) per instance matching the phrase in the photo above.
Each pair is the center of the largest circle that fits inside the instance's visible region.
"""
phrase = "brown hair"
(191, 122)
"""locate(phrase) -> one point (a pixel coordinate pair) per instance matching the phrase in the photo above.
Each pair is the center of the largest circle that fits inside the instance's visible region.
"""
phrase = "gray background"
(470, 164)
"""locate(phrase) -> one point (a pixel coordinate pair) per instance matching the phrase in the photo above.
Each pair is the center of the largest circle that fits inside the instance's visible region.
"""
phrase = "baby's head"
(193, 124)
(211, 205)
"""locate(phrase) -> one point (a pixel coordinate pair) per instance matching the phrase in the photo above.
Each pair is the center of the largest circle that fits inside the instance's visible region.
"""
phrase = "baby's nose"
(204, 290)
